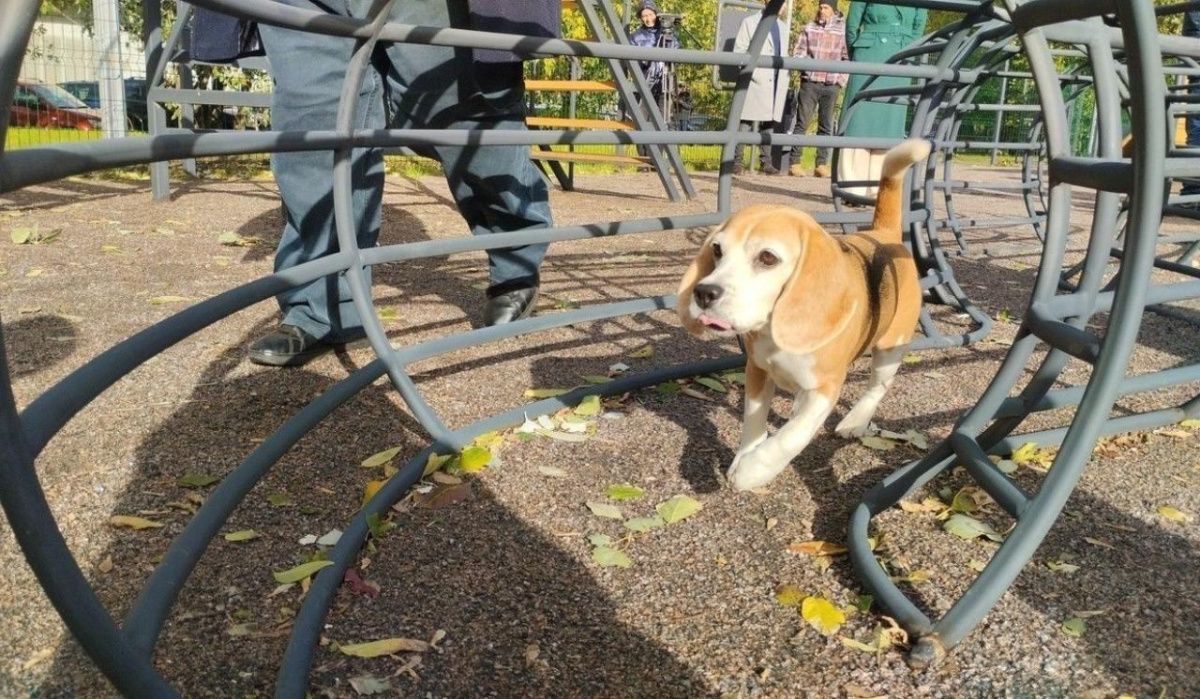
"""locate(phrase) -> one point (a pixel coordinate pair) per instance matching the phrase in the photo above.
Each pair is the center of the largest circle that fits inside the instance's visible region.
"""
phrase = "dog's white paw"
(751, 469)
(853, 426)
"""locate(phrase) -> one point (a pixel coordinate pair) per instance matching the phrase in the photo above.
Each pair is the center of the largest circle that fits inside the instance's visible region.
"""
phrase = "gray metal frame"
(125, 652)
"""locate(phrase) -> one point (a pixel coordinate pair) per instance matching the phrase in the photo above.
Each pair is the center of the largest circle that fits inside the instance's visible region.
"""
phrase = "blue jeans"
(496, 188)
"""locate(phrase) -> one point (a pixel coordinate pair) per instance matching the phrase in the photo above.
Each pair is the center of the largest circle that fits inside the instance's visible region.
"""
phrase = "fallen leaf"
(1191, 423)
(435, 462)
(1098, 542)
(37, 272)
(916, 577)
(822, 615)
(532, 651)
(858, 645)
(381, 458)
(368, 685)
(110, 249)
(232, 239)
(618, 368)
(445, 478)
(789, 595)
(968, 528)
(678, 508)
(242, 535)
(354, 580)
(877, 443)
(131, 522)
(300, 572)
(603, 509)
(976, 565)
(106, 565)
(544, 392)
(446, 496)
(21, 236)
(330, 538)
(772, 522)
(385, 646)
(624, 491)
(863, 603)
(1074, 627)
(643, 352)
(552, 471)
(474, 459)
(600, 539)
(37, 658)
(388, 313)
(1060, 567)
(197, 480)
(1030, 456)
(1173, 514)
(609, 557)
(644, 524)
(370, 489)
(816, 548)
(911, 358)
(589, 406)
(712, 384)
(280, 500)
(687, 391)
(161, 300)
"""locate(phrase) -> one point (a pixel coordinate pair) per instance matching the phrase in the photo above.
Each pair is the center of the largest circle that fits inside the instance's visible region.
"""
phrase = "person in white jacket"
(768, 88)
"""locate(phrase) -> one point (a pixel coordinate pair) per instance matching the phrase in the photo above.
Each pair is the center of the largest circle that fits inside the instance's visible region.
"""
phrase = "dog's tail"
(888, 204)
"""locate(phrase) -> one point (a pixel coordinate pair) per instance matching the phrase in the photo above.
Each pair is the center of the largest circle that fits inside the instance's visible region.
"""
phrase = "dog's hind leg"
(884, 363)
(762, 464)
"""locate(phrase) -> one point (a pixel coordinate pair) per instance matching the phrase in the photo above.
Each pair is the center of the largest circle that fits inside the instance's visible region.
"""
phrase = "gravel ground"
(506, 572)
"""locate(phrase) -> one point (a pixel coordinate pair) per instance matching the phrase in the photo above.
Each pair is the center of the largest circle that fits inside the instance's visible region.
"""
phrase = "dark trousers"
(821, 99)
(496, 188)
(764, 152)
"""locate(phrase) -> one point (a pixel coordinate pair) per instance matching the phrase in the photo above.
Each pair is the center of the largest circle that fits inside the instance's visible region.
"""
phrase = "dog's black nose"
(706, 294)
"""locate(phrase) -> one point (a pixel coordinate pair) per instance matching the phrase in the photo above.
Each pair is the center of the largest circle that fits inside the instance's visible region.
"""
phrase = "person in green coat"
(874, 33)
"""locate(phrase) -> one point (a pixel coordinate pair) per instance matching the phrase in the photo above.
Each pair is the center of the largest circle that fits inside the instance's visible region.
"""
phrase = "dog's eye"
(766, 258)
(716, 250)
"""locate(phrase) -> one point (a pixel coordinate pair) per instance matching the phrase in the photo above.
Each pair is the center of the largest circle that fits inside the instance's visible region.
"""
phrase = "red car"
(50, 107)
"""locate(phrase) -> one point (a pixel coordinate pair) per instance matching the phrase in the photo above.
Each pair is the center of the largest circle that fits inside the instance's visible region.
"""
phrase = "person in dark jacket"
(650, 33)
(496, 188)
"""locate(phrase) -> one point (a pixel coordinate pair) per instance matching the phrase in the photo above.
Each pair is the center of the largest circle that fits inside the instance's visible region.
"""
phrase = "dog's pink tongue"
(714, 322)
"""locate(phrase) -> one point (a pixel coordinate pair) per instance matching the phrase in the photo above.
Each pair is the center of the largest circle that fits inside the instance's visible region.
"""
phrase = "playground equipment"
(1096, 321)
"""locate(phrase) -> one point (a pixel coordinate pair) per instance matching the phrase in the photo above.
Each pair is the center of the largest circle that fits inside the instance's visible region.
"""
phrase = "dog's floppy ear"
(700, 268)
(812, 309)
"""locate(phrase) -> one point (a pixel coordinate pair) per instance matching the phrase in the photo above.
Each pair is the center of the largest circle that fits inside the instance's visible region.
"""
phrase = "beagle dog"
(806, 305)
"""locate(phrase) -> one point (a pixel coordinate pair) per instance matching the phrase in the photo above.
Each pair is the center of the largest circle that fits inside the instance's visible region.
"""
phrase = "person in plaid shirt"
(823, 38)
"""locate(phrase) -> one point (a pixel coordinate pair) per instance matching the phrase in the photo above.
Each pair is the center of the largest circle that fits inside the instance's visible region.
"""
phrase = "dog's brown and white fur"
(806, 305)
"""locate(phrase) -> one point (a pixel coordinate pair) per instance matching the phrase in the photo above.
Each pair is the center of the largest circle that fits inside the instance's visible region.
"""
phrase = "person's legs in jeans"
(306, 96)
(496, 188)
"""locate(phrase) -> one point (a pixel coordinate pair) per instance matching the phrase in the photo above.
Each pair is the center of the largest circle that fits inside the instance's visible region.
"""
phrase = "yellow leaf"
(1191, 423)
(381, 458)
(877, 443)
(386, 646)
(370, 489)
(160, 300)
(474, 459)
(300, 572)
(435, 462)
(241, 535)
(131, 522)
(822, 615)
(589, 406)
(544, 392)
(858, 645)
(816, 548)
(789, 595)
(1174, 514)
(643, 352)
(488, 440)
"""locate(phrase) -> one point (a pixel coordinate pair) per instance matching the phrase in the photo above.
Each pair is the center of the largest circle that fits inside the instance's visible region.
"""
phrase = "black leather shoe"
(510, 305)
(288, 345)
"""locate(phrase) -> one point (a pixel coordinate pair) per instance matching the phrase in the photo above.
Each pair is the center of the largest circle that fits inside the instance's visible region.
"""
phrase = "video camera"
(668, 21)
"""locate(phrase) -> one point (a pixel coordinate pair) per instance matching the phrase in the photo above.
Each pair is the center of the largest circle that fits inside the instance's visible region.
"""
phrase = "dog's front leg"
(760, 390)
(763, 463)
